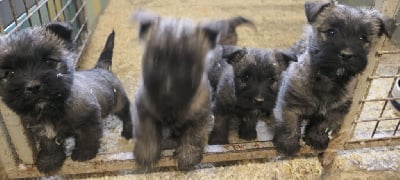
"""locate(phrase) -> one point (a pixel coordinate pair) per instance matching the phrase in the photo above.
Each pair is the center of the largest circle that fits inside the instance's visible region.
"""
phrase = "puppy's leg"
(318, 131)
(87, 140)
(148, 134)
(287, 130)
(51, 155)
(220, 132)
(125, 115)
(192, 142)
(247, 127)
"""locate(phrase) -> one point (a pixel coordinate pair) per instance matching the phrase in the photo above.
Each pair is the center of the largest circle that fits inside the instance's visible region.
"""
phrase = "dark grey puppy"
(319, 87)
(245, 85)
(39, 83)
(175, 93)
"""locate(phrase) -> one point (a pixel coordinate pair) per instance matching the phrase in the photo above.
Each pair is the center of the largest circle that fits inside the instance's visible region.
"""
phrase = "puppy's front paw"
(316, 139)
(188, 156)
(83, 154)
(287, 145)
(147, 154)
(50, 162)
(127, 132)
(247, 133)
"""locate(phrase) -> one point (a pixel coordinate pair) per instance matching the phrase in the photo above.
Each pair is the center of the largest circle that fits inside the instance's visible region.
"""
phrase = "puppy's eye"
(363, 38)
(331, 32)
(50, 60)
(8, 74)
(245, 77)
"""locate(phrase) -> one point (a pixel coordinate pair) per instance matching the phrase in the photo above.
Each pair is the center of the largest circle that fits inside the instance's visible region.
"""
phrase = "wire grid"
(378, 119)
(41, 12)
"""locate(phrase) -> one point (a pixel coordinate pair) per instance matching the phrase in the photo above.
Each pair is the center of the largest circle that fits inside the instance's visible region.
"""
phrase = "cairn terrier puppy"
(175, 92)
(245, 85)
(319, 87)
(39, 83)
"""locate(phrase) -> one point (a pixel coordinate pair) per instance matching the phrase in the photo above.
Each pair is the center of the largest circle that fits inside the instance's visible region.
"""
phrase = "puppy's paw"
(316, 139)
(50, 163)
(83, 154)
(286, 145)
(127, 133)
(188, 156)
(247, 133)
(146, 155)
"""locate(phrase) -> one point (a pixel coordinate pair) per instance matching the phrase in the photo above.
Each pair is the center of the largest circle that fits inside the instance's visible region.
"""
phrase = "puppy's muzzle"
(346, 54)
(32, 87)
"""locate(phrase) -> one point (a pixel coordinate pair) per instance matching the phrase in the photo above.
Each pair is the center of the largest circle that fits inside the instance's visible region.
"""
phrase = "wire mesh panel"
(378, 120)
(20, 14)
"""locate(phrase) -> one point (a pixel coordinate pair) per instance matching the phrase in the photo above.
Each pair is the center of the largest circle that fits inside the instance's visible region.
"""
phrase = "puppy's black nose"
(345, 54)
(259, 99)
(32, 87)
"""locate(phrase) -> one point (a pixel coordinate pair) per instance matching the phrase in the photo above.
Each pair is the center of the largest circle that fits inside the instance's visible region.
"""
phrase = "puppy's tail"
(240, 20)
(105, 59)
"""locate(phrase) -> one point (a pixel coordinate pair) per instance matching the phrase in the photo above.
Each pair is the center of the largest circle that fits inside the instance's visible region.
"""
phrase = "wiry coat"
(245, 85)
(39, 83)
(174, 94)
(319, 87)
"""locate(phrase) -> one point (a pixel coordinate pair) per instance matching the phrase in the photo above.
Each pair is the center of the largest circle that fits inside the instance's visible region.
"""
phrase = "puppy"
(319, 87)
(175, 93)
(39, 83)
(245, 85)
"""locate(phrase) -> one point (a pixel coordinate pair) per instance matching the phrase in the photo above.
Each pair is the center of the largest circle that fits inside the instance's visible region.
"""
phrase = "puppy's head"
(175, 54)
(35, 68)
(257, 72)
(342, 36)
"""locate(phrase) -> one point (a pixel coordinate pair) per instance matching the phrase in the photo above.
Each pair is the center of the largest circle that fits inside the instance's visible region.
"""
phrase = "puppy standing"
(175, 92)
(39, 83)
(245, 86)
(319, 87)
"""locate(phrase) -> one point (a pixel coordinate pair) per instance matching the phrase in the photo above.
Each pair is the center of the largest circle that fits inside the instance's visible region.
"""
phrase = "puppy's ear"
(211, 35)
(62, 29)
(387, 25)
(146, 20)
(233, 54)
(312, 9)
(285, 57)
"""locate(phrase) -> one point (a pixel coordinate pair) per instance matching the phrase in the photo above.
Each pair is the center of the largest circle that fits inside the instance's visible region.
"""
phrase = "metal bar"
(79, 31)
(377, 119)
(27, 11)
(39, 13)
(9, 157)
(376, 126)
(379, 77)
(387, 141)
(48, 10)
(380, 99)
(28, 16)
(387, 52)
(395, 129)
(78, 12)
(62, 10)
(64, 7)
(13, 12)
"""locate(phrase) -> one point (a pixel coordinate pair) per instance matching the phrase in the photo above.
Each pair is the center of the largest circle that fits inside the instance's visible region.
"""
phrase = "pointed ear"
(285, 57)
(212, 35)
(387, 26)
(233, 54)
(61, 29)
(146, 20)
(312, 9)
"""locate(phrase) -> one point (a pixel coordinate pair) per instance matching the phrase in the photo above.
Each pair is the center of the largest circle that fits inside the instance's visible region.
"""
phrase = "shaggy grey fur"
(39, 83)
(245, 85)
(174, 95)
(319, 87)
